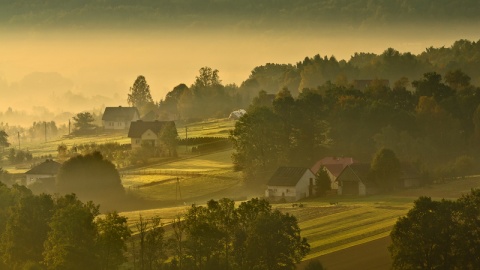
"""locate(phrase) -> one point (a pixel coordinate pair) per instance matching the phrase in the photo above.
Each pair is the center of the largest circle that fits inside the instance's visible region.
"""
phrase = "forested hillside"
(245, 14)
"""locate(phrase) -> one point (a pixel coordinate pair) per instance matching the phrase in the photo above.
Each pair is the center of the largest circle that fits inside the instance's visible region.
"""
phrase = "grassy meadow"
(338, 223)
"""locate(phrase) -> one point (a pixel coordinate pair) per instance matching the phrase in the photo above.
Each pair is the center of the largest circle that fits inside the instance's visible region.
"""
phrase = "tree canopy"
(91, 177)
(438, 234)
(140, 95)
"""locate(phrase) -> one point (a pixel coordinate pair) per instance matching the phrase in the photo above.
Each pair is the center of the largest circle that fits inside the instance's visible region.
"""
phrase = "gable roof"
(286, 176)
(344, 161)
(334, 169)
(48, 167)
(120, 113)
(361, 171)
(139, 127)
(150, 116)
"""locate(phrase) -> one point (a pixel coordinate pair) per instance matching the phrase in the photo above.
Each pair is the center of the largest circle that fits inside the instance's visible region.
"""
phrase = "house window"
(138, 141)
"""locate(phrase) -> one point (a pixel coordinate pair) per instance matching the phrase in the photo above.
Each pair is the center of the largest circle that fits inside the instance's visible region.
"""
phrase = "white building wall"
(32, 178)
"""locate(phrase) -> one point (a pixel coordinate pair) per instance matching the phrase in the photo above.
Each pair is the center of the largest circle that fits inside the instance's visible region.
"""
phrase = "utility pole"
(45, 131)
(177, 190)
(68, 126)
(186, 139)
(18, 134)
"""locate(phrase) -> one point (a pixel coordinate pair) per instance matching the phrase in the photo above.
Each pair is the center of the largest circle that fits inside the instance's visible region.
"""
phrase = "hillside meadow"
(337, 227)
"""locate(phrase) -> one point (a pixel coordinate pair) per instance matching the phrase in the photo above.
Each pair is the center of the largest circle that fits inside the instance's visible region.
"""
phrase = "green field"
(209, 128)
(352, 221)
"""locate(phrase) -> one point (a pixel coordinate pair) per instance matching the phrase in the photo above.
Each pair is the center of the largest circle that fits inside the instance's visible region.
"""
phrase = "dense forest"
(244, 14)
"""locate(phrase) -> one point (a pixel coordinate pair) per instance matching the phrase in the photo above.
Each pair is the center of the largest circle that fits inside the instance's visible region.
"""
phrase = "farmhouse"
(355, 180)
(119, 118)
(290, 184)
(47, 169)
(333, 166)
(148, 132)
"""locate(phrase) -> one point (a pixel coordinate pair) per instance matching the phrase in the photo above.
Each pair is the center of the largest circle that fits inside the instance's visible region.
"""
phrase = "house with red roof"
(333, 166)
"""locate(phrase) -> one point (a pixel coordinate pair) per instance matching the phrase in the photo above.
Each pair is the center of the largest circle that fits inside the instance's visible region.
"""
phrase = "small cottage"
(47, 169)
(119, 118)
(290, 184)
(148, 132)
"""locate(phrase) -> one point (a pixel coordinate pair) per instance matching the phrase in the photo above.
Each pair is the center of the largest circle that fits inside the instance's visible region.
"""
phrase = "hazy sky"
(67, 69)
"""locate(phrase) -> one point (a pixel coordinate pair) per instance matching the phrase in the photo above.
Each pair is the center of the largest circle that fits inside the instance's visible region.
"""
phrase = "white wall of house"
(116, 125)
(292, 193)
(146, 136)
(278, 192)
(333, 180)
(32, 178)
(302, 187)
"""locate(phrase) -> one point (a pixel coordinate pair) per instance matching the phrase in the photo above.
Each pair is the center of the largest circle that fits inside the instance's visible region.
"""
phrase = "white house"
(47, 169)
(147, 132)
(119, 118)
(290, 184)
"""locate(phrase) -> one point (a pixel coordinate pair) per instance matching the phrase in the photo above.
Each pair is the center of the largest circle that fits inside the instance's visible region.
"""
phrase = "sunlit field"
(208, 128)
(337, 222)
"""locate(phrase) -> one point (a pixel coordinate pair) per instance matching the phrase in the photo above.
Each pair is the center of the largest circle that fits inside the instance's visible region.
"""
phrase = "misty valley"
(239, 135)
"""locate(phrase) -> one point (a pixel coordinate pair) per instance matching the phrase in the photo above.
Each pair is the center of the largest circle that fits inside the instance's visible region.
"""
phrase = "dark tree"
(113, 233)
(91, 177)
(258, 139)
(386, 169)
(26, 230)
(438, 235)
(207, 77)
(139, 95)
(70, 243)
(83, 122)
(322, 182)
(4, 139)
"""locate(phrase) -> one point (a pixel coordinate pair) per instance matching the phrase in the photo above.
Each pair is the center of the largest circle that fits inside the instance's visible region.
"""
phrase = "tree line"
(435, 126)
(62, 232)
(270, 14)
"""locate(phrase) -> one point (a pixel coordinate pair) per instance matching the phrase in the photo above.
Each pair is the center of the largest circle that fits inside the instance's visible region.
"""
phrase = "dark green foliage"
(71, 238)
(252, 236)
(91, 177)
(438, 235)
(150, 251)
(26, 230)
(42, 232)
(259, 140)
(113, 233)
(83, 123)
(322, 182)
(4, 139)
(140, 96)
(386, 169)
(19, 156)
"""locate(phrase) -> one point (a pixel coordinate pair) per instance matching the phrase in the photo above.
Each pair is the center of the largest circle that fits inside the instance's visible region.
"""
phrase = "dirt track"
(373, 255)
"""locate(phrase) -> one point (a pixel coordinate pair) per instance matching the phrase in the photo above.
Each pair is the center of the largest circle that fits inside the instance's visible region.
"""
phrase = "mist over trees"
(432, 126)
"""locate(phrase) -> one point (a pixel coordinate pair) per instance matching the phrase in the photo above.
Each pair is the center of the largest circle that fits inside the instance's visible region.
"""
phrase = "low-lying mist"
(46, 74)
